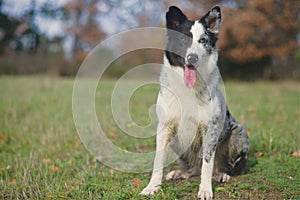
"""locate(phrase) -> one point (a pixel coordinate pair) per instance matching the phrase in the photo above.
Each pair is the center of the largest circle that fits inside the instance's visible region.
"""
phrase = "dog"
(193, 118)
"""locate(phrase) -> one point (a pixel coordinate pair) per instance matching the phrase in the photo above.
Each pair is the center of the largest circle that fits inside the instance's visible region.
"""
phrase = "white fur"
(205, 188)
(197, 30)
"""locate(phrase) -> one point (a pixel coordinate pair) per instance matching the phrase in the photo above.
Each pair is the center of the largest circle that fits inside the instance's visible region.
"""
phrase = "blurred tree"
(8, 27)
(22, 32)
(23, 47)
(145, 14)
(19, 34)
(82, 26)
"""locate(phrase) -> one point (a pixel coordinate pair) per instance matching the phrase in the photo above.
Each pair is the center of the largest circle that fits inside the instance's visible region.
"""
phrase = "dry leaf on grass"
(296, 153)
(258, 154)
(136, 183)
(111, 171)
(3, 137)
(46, 160)
(13, 182)
(176, 184)
(54, 168)
(77, 144)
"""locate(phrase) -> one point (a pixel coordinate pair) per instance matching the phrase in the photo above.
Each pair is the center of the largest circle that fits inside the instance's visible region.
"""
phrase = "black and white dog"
(193, 117)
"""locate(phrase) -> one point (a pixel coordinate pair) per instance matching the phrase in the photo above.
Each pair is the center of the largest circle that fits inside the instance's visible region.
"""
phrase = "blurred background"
(258, 39)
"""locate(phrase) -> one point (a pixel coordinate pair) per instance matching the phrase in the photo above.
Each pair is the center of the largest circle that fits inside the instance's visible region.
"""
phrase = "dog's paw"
(221, 177)
(205, 194)
(177, 174)
(150, 190)
(173, 175)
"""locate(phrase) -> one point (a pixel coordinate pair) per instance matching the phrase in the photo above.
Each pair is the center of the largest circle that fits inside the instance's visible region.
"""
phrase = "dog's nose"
(192, 58)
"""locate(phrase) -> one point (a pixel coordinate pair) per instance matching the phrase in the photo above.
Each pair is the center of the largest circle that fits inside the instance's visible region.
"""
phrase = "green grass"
(42, 156)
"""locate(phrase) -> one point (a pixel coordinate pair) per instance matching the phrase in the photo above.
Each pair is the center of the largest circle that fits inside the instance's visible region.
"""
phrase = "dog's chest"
(193, 120)
(181, 108)
(180, 102)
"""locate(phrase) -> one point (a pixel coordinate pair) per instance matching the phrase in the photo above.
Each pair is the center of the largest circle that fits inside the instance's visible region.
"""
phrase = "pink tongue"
(190, 76)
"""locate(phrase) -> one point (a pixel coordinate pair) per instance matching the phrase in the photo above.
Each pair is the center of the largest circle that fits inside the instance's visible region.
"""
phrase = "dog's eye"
(202, 40)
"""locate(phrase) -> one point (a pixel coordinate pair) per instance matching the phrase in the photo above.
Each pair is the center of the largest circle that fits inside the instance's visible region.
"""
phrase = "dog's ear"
(174, 17)
(213, 19)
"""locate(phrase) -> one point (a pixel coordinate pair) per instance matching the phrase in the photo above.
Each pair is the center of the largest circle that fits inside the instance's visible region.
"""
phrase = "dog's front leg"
(157, 173)
(210, 140)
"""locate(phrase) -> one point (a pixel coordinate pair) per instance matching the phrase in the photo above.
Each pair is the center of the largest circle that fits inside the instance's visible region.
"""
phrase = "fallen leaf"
(3, 137)
(252, 115)
(54, 168)
(46, 160)
(279, 118)
(13, 182)
(77, 144)
(111, 171)
(296, 153)
(259, 154)
(144, 148)
(136, 183)
(250, 108)
(176, 184)
(112, 135)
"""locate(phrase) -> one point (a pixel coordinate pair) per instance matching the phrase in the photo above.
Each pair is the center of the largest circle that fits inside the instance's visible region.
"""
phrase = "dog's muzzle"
(192, 58)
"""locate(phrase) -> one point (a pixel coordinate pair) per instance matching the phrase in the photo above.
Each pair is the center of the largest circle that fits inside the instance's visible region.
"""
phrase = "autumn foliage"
(260, 29)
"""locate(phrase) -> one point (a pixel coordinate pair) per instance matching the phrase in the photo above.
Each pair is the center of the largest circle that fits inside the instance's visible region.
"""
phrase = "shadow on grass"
(252, 161)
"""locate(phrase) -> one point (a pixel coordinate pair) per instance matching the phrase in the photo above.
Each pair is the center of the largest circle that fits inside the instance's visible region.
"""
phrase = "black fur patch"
(180, 37)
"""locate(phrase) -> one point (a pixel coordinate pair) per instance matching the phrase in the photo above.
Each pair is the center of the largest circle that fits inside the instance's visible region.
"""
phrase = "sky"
(111, 22)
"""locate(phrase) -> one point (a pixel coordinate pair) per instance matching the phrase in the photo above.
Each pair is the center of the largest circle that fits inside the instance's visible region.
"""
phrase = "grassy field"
(42, 156)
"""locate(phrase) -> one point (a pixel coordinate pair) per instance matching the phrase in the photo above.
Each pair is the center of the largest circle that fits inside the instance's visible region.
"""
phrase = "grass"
(42, 156)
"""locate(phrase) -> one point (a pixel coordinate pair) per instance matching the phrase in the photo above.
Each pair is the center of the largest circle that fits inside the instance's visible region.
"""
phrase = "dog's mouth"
(190, 75)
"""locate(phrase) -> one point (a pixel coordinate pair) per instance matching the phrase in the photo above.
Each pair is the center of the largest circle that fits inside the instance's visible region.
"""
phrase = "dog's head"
(191, 43)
